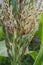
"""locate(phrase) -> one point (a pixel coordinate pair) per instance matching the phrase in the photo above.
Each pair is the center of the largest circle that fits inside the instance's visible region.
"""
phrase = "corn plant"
(19, 20)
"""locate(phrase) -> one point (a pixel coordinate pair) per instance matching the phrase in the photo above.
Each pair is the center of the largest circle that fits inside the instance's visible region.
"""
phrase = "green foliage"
(1, 33)
(5, 61)
(39, 58)
(33, 54)
(35, 44)
(41, 28)
(27, 60)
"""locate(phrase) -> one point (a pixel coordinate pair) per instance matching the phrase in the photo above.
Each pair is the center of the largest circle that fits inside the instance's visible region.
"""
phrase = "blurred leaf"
(0, 58)
(31, 1)
(5, 61)
(41, 28)
(1, 33)
(3, 50)
(33, 54)
(42, 63)
(39, 58)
